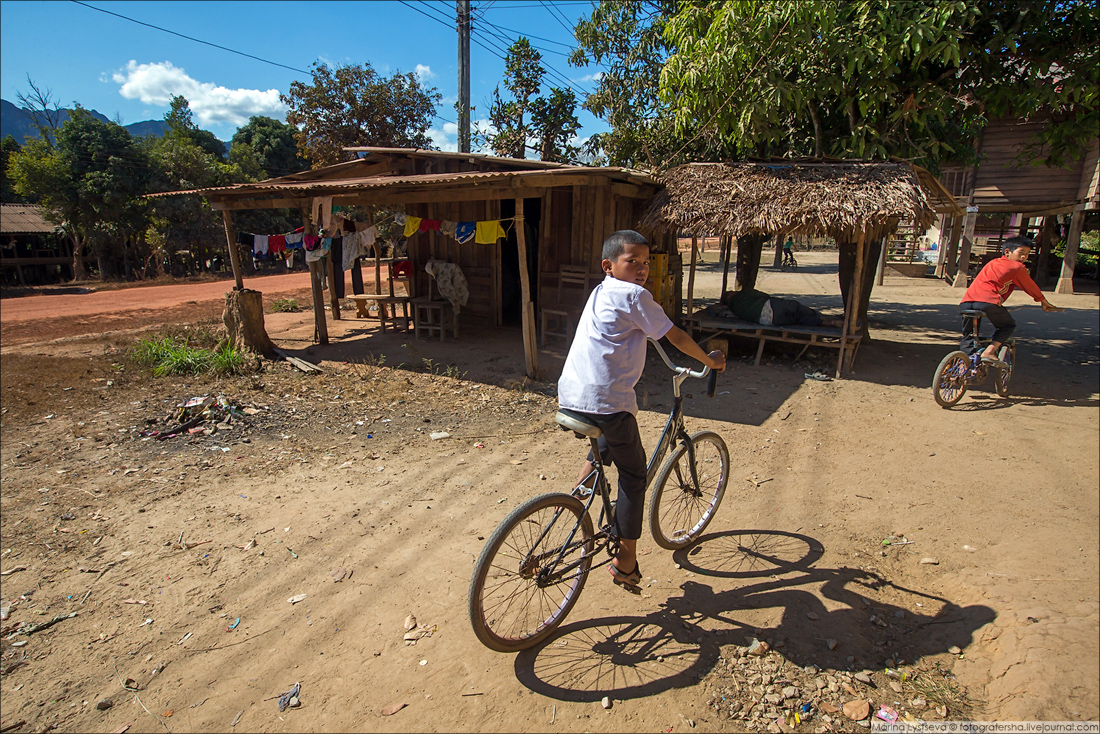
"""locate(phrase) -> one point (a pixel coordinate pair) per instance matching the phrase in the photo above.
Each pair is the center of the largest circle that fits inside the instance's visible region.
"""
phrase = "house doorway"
(511, 292)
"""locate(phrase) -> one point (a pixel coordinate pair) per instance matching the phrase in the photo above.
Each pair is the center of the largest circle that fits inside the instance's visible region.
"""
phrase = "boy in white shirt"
(604, 364)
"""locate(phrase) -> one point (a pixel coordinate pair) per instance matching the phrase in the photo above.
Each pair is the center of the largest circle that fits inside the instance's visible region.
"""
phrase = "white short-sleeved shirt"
(607, 356)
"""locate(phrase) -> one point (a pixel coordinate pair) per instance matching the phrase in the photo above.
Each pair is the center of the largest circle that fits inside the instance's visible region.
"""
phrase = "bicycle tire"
(509, 610)
(1003, 380)
(949, 382)
(679, 512)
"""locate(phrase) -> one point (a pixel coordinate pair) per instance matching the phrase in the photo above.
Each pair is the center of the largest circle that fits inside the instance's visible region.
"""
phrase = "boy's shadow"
(674, 647)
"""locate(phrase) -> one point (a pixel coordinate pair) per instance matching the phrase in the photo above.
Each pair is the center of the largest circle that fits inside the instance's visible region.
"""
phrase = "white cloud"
(445, 138)
(211, 104)
(590, 77)
(423, 72)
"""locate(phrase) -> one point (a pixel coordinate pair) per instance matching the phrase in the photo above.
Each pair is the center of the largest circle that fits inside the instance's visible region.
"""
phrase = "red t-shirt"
(998, 279)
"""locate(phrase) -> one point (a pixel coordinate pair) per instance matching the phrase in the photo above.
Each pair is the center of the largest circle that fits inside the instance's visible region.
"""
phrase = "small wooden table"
(431, 315)
(393, 310)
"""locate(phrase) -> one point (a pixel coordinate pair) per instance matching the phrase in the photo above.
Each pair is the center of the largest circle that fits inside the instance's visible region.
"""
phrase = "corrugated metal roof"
(24, 219)
(417, 152)
(424, 180)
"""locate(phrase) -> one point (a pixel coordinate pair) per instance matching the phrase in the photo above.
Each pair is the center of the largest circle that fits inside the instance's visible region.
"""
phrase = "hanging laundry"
(276, 243)
(464, 231)
(311, 242)
(294, 241)
(429, 224)
(488, 232)
(400, 218)
(323, 248)
(450, 281)
(368, 237)
(260, 246)
(412, 226)
(247, 239)
(447, 227)
(352, 250)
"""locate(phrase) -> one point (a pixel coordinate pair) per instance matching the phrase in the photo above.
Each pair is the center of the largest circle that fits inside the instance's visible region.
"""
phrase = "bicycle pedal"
(582, 492)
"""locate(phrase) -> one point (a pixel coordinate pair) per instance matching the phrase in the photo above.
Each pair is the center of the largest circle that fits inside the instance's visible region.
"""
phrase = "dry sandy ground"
(338, 472)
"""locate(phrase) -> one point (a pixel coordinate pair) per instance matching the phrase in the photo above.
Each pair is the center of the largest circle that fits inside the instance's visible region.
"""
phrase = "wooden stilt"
(962, 272)
(530, 349)
(691, 278)
(231, 241)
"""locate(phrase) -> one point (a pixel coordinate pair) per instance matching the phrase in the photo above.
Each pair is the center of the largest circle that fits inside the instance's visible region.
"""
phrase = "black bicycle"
(959, 370)
(533, 568)
(788, 263)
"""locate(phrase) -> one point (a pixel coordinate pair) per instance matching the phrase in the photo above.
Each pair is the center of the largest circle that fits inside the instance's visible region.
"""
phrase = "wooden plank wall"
(999, 181)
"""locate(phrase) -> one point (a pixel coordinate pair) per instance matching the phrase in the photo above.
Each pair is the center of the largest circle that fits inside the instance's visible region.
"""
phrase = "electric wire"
(189, 38)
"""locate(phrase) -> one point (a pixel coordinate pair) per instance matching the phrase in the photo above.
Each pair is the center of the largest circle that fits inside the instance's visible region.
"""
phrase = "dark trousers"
(789, 312)
(621, 445)
(998, 316)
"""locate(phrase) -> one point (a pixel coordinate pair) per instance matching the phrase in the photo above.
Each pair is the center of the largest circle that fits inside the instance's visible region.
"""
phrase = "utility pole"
(463, 75)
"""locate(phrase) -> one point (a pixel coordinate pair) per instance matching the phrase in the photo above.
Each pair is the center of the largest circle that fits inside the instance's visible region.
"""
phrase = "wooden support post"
(691, 278)
(881, 274)
(724, 246)
(1044, 246)
(530, 349)
(320, 325)
(231, 241)
(1069, 260)
(855, 297)
(778, 259)
(963, 270)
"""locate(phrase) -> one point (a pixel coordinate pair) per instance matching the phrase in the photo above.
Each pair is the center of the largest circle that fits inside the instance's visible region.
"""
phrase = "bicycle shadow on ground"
(632, 657)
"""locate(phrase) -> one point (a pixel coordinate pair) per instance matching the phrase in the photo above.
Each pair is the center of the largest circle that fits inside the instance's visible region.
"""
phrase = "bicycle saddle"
(579, 424)
(973, 312)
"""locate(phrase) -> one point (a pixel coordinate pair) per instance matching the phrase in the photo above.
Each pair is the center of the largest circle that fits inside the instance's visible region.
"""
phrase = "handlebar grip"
(712, 383)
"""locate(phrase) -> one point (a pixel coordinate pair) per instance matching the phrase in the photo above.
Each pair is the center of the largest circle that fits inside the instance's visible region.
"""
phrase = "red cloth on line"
(276, 243)
(426, 224)
(401, 269)
(997, 280)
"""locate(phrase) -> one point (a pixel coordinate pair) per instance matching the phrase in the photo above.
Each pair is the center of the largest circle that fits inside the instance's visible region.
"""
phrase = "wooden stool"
(430, 315)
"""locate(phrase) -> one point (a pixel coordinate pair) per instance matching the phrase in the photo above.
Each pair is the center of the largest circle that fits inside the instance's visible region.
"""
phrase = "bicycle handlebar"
(676, 368)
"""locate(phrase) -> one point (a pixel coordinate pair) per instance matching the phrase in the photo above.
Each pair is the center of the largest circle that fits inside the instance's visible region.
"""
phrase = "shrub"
(286, 305)
(168, 355)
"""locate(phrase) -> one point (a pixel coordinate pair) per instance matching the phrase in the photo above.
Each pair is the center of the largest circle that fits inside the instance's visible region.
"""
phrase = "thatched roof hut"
(796, 197)
(856, 203)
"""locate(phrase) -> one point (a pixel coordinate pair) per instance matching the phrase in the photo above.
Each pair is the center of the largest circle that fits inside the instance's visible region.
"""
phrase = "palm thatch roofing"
(814, 198)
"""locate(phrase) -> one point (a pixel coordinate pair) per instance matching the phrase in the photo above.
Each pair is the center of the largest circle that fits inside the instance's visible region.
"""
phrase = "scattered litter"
(930, 561)
(338, 575)
(237, 718)
(606, 702)
(419, 632)
(10, 571)
(292, 553)
(423, 662)
(248, 546)
(887, 714)
(436, 435)
(284, 700)
(168, 713)
(135, 601)
(233, 626)
(818, 375)
(38, 627)
(393, 708)
(149, 620)
(184, 639)
(297, 598)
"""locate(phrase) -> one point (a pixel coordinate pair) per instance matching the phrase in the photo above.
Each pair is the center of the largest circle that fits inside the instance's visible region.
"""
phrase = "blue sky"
(130, 71)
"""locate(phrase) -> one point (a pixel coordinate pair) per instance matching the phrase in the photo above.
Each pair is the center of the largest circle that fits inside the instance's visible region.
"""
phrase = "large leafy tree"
(879, 78)
(627, 39)
(354, 106)
(90, 183)
(525, 120)
(8, 146)
(271, 144)
(180, 124)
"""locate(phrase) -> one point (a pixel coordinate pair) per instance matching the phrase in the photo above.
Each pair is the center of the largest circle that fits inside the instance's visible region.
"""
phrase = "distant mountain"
(19, 123)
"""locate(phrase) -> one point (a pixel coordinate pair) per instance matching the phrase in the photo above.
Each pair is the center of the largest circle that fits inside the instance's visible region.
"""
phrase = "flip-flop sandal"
(628, 581)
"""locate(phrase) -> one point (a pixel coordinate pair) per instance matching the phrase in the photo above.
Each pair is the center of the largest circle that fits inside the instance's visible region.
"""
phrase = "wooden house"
(556, 217)
(1029, 197)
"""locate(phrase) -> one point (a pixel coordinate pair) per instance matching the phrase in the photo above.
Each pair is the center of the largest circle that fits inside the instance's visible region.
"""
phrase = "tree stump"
(244, 321)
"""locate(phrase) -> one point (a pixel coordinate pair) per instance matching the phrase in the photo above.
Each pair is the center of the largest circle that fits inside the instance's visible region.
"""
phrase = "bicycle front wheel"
(530, 573)
(684, 501)
(949, 383)
(1003, 379)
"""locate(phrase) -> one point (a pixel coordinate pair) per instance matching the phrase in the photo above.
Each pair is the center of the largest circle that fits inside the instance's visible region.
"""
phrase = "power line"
(555, 75)
(196, 40)
(550, 9)
(528, 35)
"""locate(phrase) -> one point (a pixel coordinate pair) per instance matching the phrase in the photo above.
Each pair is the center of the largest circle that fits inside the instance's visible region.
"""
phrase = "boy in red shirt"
(990, 289)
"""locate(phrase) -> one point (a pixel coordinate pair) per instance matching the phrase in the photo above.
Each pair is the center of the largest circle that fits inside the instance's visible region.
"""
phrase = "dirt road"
(996, 502)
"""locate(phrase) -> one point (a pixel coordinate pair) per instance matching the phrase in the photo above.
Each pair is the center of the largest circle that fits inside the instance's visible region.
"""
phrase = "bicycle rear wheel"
(520, 592)
(949, 383)
(1007, 354)
(679, 508)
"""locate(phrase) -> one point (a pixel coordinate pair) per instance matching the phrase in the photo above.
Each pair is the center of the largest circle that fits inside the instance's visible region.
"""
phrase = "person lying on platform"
(750, 304)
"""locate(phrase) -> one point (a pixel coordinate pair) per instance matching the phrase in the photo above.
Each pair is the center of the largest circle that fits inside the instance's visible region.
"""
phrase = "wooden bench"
(705, 323)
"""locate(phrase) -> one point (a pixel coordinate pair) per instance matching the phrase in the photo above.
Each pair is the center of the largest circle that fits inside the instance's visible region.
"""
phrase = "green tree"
(181, 124)
(354, 106)
(879, 78)
(627, 39)
(8, 147)
(89, 183)
(271, 143)
(527, 121)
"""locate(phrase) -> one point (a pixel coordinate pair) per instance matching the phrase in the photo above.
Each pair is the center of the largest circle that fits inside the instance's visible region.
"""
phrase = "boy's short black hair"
(1014, 243)
(616, 241)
